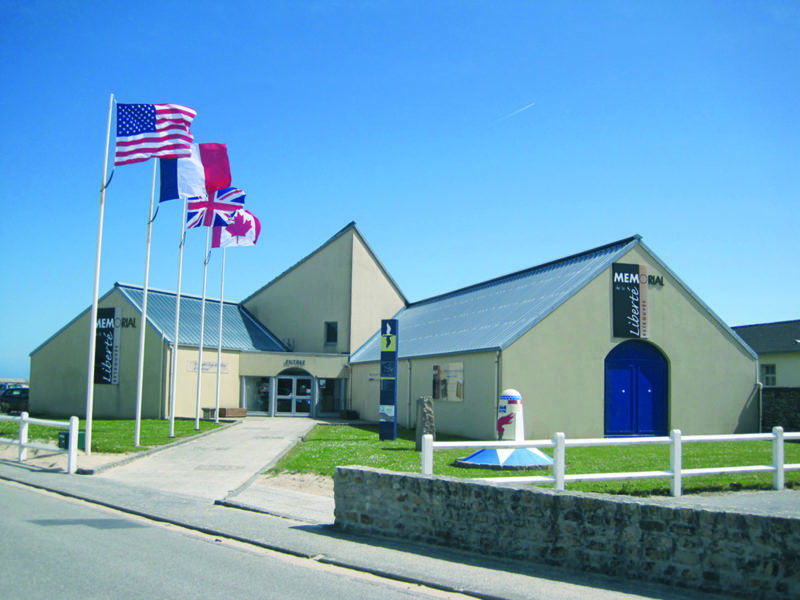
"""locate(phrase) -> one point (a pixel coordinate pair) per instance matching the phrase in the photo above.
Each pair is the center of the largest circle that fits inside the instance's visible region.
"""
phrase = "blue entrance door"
(636, 390)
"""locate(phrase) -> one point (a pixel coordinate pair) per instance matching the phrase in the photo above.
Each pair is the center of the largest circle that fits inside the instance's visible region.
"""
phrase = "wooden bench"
(208, 413)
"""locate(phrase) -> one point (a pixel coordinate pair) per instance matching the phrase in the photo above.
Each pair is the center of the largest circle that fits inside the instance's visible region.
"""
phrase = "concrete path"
(216, 464)
(226, 467)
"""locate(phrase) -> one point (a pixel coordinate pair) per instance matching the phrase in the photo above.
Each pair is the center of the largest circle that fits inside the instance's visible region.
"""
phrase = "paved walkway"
(226, 465)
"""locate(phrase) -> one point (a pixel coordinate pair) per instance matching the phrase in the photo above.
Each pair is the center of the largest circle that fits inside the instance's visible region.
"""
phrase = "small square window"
(331, 333)
(769, 376)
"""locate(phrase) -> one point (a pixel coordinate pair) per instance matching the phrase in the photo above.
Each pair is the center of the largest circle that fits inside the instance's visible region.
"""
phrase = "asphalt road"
(54, 547)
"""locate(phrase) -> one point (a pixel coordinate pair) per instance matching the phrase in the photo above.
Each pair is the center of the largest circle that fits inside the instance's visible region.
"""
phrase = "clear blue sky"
(467, 139)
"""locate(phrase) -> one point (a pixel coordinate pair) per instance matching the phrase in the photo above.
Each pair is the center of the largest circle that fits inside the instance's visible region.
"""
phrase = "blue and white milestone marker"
(388, 398)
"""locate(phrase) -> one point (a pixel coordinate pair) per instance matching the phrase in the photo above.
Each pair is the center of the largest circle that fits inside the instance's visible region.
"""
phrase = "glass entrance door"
(294, 395)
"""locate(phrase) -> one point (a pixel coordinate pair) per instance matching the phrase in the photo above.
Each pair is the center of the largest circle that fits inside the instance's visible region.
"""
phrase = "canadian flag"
(243, 230)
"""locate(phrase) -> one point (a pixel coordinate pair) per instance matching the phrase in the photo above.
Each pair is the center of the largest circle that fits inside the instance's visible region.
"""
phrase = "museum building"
(607, 342)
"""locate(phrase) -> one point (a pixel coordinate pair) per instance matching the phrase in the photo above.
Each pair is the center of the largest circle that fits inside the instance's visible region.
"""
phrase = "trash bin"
(63, 440)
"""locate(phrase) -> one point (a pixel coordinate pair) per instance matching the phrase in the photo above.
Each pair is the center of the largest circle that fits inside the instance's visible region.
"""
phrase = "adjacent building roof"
(493, 314)
(240, 330)
(771, 338)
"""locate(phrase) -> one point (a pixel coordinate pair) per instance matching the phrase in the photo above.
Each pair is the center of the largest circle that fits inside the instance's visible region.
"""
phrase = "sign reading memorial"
(106, 354)
(629, 298)
(388, 393)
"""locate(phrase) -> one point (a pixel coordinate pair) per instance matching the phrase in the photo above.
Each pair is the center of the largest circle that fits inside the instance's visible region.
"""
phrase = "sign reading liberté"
(106, 353)
(388, 393)
(629, 283)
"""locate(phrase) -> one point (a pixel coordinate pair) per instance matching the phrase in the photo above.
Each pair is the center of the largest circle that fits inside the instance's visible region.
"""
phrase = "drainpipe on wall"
(168, 376)
(348, 401)
(161, 377)
(408, 419)
(496, 384)
(760, 387)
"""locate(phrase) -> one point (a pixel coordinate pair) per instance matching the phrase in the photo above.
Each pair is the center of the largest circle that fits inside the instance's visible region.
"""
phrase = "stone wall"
(743, 555)
(780, 406)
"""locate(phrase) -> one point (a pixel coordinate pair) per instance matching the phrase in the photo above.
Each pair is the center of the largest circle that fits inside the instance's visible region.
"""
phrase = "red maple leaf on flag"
(240, 226)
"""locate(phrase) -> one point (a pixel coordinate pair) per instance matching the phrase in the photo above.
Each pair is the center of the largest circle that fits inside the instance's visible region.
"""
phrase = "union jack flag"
(216, 211)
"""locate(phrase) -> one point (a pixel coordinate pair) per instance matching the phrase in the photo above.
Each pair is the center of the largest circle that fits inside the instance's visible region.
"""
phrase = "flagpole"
(174, 373)
(202, 331)
(143, 324)
(219, 341)
(95, 294)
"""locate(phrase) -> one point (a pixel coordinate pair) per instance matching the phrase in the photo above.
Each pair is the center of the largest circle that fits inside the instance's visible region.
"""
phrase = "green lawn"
(330, 445)
(114, 436)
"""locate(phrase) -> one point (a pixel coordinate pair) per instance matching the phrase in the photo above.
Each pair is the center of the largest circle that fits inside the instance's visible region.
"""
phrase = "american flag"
(145, 130)
(214, 212)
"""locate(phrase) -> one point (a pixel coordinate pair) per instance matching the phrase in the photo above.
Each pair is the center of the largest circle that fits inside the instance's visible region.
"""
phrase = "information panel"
(388, 395)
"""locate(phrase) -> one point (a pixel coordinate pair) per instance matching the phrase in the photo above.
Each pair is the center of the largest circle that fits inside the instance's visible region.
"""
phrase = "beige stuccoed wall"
(374, 296)
(186, 381)
(296, 306)
(558, 366)
(364, 390)
(59, 370)
(787, 367)
(474, 417)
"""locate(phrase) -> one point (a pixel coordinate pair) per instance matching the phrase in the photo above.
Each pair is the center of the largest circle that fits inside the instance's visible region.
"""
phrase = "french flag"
(199, 176)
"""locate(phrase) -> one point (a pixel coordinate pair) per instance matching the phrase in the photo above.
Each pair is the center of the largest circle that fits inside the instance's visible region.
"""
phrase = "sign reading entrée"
(388, 397)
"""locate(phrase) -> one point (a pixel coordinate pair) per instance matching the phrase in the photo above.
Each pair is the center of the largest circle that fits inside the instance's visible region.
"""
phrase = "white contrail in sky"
(516, 112)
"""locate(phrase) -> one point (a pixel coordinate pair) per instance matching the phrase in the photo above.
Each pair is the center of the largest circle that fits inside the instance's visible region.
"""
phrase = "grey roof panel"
(240, 331)
(493, 314)
(769, 338)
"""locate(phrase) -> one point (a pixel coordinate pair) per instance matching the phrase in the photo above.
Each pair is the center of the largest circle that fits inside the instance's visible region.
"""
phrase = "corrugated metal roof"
(493, 314)
(240, 330)
(768, 338)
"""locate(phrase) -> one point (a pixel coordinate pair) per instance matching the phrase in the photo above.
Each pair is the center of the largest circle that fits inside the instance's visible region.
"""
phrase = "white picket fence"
(676, 472)
(23, 443)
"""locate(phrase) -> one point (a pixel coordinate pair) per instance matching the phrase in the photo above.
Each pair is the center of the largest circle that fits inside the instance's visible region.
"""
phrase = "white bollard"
(559, 461)
(23, 436)
(676, 462)
(72, 447)
(427, 454)
(778, 458)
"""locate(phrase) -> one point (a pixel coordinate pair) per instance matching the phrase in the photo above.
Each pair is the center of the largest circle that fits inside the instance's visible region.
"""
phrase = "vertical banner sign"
(106, 354)
(643, 283)
(388, 398)
(629, 298)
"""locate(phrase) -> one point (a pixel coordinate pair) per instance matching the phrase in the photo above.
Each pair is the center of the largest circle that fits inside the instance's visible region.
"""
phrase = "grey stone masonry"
(744, 555)
(780, 406)
(426, 424)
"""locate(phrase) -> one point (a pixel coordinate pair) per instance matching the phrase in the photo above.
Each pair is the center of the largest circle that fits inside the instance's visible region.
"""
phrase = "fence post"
(72, 458)
(778, 478)
(427, 454)
(675, 461)
(559, 460)
(23, 436)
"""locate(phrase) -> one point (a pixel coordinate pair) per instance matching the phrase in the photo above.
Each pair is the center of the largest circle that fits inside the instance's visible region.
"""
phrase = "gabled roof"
(493, 314)
(240, 330)
(769, 338)
(351, 226)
